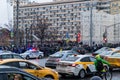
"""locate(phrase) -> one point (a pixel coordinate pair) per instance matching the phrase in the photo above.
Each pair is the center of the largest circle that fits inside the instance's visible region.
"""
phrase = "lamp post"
(16, 29)
(17, 23)
(26, 35)
(91, 23)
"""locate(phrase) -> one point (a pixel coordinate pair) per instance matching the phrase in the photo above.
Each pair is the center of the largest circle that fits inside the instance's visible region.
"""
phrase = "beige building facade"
(66, 17)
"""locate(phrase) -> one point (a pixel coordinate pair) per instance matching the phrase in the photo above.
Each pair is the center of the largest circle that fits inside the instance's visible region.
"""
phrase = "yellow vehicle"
(114, 60)
(32, 68)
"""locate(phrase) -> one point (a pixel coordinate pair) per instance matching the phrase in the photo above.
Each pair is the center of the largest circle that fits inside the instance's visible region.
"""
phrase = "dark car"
(8, 73)
(10, 55)
(56, 57)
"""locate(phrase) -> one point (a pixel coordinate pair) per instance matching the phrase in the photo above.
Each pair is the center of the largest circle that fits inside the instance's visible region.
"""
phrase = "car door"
(26, 67)
(85, 61)
(17, 56)
(30, 54)
(92, 66)
(36, 54)
(30, 68)
(87, 64)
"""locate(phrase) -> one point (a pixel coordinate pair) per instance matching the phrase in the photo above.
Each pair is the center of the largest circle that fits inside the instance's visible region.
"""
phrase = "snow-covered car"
(76, 65)
(32, 54)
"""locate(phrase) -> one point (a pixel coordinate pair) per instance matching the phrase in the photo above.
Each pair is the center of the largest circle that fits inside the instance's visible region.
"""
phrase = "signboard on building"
(115, 7)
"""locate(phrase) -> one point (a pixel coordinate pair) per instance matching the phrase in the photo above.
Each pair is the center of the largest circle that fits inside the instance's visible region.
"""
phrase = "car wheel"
(27, 57)
(82, 73)
(39, 57)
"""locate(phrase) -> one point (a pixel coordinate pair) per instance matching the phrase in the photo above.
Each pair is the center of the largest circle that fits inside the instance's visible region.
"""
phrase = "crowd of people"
(50, 49)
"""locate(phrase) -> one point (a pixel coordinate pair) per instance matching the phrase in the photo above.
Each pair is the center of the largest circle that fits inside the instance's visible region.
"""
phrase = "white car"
(32, 54)
(77, 65)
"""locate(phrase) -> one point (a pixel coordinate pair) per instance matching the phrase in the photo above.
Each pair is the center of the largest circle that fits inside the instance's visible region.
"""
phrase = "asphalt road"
(116, 73)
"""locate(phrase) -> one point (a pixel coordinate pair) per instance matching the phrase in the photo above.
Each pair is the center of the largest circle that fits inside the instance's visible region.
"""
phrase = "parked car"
(8, 73)
(56, 57)
(32, 54)
(77, 65)
(10, 55)
(36, 70)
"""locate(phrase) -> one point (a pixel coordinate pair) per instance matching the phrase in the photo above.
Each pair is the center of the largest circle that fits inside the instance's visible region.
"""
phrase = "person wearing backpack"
(99, 64)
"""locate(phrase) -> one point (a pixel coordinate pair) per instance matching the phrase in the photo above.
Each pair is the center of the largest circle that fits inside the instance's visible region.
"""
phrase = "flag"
(67, 37)
(60, 49)
(78, 37)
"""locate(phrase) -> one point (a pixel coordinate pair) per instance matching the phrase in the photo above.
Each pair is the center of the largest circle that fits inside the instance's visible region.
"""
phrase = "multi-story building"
(67, 16)
(104, 5)
(100, 23)
(63, 0)
(21, 2)
(115, 7)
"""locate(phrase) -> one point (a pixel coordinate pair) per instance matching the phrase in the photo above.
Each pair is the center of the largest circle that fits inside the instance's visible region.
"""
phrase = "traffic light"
(105, 40)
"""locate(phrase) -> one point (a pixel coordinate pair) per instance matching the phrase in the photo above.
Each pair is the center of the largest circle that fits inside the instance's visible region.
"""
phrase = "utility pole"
(17, 23)
(91, 23)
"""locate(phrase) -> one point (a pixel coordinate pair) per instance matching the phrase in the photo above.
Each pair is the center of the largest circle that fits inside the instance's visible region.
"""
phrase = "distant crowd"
(50, 49)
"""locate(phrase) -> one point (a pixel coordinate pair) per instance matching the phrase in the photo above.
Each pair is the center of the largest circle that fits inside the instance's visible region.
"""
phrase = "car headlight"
(54, 71)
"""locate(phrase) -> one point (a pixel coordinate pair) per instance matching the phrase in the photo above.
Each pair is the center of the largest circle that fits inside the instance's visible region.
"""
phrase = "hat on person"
(97, 56)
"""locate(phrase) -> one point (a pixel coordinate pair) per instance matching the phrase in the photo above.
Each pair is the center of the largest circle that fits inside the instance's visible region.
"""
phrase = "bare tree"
(9, 26)
(5, 37)
(41, 28)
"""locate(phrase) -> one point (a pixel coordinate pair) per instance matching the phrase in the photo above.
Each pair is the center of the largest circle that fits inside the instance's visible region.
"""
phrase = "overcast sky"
(5, 10)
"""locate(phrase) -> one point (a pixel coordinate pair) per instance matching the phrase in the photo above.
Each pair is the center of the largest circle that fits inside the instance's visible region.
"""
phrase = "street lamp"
(17, 22)
(91, 23)
(17, 29)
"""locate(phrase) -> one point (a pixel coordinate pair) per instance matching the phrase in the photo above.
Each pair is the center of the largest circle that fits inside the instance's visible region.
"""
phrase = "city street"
(116, 73)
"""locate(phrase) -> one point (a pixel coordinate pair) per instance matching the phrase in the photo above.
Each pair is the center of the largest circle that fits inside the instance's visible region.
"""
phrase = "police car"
(32, 54)
(77, 65)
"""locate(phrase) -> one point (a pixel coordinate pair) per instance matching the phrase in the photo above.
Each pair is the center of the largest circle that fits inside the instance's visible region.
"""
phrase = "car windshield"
(116, 55)
(106, 53)
(71, 58)
(117, 48)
